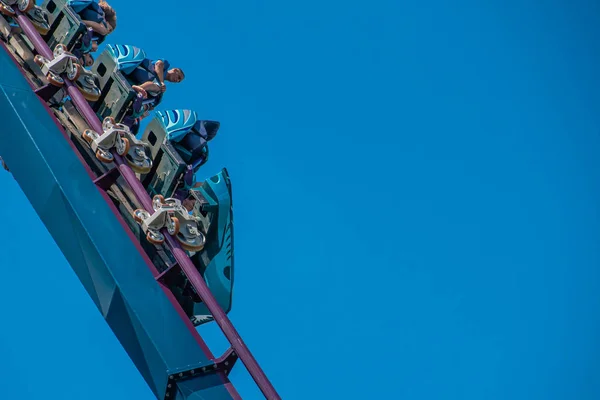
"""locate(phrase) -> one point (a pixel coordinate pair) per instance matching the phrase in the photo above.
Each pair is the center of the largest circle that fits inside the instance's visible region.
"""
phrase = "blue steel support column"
(184, 261)
(102, 251)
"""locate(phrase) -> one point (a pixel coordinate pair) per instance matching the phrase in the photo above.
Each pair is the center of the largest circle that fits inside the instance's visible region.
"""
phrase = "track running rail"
(181, 257)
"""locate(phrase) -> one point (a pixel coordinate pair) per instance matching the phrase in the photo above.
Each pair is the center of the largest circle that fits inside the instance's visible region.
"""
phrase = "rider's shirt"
(90, 10)
(145, 72)
(93, 12)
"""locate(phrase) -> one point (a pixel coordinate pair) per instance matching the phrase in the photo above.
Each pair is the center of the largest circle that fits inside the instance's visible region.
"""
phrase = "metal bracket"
(187, 288)
(227, 360)
(169, 269)
(47, 92)
(106, 180)
(222, 364)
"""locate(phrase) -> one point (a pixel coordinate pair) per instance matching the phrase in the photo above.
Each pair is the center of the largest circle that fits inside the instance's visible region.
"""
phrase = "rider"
(149, 78)
(98, 16)
(193, 149)
(189, 203)
(84, 48)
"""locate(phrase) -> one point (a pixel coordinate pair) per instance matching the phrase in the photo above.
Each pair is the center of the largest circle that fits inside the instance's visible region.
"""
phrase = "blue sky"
(416, 203)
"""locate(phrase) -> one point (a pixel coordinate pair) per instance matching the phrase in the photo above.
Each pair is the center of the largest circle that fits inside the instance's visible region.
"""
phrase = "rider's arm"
(159, 68)
(97, 27)
(150, 86)
(140, 90)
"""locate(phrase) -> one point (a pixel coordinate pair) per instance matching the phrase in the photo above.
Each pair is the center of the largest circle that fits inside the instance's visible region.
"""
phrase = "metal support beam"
(227, 360)
(46, 92)
(162, 275)
(106, 180)
(223, 364)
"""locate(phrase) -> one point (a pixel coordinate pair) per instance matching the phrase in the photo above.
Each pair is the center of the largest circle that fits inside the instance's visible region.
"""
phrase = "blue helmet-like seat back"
(80, 5)
(127, 57)
(188, 134)
(177, 123)
(195, 141)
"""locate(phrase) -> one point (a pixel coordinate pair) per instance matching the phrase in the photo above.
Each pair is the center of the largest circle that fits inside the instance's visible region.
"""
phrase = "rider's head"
(110, 15)
(88, 60)
(189, 203)
(175, 75)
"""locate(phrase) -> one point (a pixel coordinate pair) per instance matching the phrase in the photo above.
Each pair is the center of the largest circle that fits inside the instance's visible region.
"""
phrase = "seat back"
(126, 57)
(65, 25)
(189, 134)
(173, 135)
(177, 123)
(53, 9)
(155, 135)
(167, 166)
(167, 176)
(117, 95)
(105, 65)
(80, 5)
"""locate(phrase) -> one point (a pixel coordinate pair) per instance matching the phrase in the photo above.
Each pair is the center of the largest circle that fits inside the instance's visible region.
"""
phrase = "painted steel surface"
(94, 241)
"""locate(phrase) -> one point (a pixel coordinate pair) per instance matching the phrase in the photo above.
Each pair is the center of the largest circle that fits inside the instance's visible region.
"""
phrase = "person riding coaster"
(100, 19)
(140, 109)
(191, 143)
(83, 49)
(98, 16)
(148, 78)
(144, 77)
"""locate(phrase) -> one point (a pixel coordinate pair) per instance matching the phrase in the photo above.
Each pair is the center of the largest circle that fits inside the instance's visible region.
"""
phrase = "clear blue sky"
(416, 203)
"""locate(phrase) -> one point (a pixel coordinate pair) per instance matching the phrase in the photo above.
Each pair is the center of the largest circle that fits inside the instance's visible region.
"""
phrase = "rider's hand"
(141, 91)
(163, 87)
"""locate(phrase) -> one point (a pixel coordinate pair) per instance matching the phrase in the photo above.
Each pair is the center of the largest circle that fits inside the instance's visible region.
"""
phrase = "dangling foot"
(4, 165)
